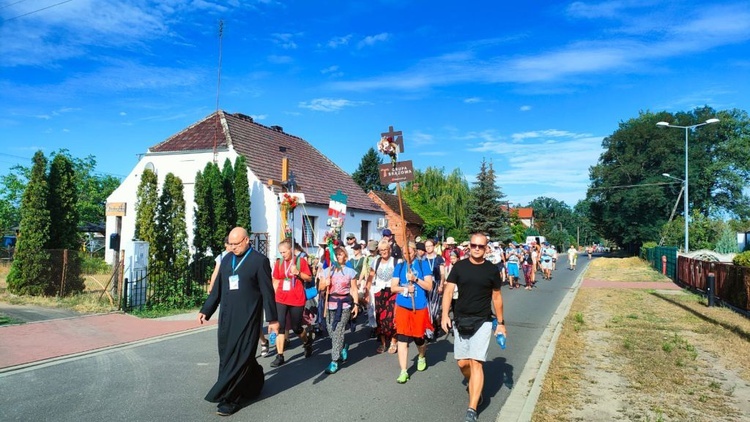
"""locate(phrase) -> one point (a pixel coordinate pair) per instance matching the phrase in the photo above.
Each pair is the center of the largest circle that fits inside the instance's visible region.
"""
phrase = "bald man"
(244, 289)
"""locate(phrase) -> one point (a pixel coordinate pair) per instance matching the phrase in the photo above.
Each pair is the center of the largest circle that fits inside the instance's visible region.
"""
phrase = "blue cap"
(387, 232)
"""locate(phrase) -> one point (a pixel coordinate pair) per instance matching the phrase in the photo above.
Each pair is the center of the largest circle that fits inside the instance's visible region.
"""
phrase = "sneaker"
(421, 364)
(278, 361)
(227, 409)
(332, 368)
(345, 353)
(263, 350)
(471, 415)
(403, 377)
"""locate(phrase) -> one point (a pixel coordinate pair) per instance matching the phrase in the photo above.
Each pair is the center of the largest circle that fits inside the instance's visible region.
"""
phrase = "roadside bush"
(93, 265)
(742, 259)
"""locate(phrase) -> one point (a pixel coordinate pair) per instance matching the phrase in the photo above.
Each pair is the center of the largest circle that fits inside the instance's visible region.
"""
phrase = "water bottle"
(500, 338)
(272, 339)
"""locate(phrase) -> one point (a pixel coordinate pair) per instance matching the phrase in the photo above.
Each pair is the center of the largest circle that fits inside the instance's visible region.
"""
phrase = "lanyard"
(234, 260)
(431, 262)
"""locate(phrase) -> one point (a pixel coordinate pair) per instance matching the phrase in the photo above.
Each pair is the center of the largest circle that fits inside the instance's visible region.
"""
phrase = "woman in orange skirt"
(410, 283)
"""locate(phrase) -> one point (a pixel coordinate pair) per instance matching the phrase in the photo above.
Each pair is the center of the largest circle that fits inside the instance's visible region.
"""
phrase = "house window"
(364, 232)
(308, 231)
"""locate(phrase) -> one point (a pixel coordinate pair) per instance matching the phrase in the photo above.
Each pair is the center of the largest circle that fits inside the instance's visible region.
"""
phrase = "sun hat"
(450, 241)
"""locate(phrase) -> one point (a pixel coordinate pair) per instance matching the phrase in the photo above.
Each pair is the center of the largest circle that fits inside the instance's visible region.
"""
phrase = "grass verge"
(637, 355)
(623, 269)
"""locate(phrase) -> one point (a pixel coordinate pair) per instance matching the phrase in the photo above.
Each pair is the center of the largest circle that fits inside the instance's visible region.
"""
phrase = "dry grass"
(622, 269)
(90, 301)
(636, 355)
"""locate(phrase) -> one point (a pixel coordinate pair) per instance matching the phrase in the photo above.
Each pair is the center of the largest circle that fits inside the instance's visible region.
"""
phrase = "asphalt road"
(167, 379)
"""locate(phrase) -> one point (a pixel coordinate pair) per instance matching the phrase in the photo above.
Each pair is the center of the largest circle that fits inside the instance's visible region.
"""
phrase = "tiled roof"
(317, 176)
(526, 213)
(391, 201)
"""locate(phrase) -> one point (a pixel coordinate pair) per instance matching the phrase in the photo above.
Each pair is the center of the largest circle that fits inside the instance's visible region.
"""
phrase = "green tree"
(449, 194)
(12, 187)
(62, 204)
(221, 227)
(242, 193)
(202, 215)
(367, 175)
(549, 214)
(171, 247)
(227, 179)
(146, 203)
(29, 274)
(727, 242)
(485, 214)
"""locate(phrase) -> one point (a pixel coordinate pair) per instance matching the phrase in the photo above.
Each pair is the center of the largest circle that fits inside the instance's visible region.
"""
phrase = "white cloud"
(472, 100)
(259, 116)
(336, 42)
(525, 108)
(639, 52)
(122, 113)
(373, 39)
(421, 138)
(284, 40)
(330, 104)
(332, 71)
(433, 153)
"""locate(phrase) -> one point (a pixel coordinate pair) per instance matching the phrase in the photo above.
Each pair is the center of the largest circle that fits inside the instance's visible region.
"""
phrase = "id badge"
(234, 282)
(287, 285)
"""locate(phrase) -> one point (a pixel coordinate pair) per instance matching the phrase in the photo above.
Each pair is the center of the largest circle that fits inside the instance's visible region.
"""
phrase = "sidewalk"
(37, 342)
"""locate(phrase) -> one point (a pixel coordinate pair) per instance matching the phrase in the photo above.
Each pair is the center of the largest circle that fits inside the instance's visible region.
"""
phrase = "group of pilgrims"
(324, 294)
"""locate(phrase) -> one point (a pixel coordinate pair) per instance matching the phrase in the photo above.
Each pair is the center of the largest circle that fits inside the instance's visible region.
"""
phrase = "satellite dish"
(150, 166)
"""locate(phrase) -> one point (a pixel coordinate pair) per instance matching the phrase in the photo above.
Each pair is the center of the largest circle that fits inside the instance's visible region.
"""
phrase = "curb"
(12, 370)
(523, 398)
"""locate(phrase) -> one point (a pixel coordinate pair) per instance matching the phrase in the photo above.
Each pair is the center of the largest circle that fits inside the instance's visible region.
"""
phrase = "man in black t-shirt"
(478, 283)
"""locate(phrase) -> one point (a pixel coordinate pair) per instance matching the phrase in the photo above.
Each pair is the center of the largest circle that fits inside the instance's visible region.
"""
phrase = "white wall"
(183, 165)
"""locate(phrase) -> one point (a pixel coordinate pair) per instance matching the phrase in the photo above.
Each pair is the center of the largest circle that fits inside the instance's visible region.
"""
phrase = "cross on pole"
(397, 137)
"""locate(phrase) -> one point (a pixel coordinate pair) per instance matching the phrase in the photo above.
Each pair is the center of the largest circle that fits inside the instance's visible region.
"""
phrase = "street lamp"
(687, 131)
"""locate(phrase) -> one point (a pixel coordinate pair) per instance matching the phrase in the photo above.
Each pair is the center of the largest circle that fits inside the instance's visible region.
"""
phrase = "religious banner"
(337, 205)
(402, 171)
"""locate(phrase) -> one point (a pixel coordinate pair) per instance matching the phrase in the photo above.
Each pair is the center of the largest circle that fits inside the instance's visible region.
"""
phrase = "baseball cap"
(420, 246)
(356, 246)
(350, 236)
(387, 232)
(372, 245)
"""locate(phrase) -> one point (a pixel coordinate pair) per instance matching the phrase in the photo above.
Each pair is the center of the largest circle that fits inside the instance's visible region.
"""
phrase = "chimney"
(277, 128)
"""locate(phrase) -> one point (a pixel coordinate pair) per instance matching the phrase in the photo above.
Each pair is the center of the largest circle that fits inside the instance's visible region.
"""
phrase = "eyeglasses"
(238, 243)
(476, 246)
(384, 250)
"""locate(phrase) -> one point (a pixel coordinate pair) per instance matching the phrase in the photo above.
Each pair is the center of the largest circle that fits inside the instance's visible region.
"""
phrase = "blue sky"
(531, 86)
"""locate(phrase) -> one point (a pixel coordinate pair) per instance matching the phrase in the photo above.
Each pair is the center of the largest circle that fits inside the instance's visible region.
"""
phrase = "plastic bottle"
(272, 339)
(500, 338)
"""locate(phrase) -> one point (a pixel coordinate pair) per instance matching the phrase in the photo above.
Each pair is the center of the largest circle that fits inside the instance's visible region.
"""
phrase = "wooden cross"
(286, 178)
(397, 137)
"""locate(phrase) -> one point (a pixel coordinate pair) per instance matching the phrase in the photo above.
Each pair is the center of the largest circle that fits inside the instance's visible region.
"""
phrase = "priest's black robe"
(240, 320)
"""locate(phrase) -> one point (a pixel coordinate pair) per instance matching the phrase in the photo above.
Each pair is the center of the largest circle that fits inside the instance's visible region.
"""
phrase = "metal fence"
(732, 281)
(654, 257)
(174, 288)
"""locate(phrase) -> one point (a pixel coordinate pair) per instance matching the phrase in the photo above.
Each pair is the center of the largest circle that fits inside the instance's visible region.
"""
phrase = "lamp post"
(687, 132)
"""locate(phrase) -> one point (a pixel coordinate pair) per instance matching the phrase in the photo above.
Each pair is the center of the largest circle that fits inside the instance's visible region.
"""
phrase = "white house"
(224, 135)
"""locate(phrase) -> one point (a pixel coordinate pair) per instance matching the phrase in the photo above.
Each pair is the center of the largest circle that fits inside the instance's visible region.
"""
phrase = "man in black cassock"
(244, 289)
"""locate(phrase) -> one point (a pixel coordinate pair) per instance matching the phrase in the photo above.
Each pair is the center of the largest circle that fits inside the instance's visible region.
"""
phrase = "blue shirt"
(420, 294)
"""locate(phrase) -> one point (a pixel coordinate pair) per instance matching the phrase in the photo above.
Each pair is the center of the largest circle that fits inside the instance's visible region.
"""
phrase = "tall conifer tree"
(242, 193)
(29, 274)
(171, 248)
(367, 175)
(485, 215)
(63, 207)
(227, 179)
(147, 200)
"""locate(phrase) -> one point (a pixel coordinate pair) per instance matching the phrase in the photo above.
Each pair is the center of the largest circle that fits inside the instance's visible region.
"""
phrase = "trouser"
(337, 335)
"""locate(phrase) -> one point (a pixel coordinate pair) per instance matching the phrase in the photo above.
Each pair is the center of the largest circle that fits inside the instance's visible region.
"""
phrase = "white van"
(541, 239)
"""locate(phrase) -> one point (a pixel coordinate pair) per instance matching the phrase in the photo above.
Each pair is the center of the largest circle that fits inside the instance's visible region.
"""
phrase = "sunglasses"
(477, 246)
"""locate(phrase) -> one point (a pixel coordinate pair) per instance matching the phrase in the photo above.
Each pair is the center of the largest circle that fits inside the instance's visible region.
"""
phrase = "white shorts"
(474, 347)
(547, 265)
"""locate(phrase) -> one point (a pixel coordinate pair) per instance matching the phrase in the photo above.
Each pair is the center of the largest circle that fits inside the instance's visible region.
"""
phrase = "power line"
(35, 11)
(11, 4)
(635, 186)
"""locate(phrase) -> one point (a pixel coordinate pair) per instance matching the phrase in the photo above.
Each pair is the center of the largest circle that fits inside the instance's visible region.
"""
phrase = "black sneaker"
(227, 409)
(471, 415)
(278, 361)
(308, 346)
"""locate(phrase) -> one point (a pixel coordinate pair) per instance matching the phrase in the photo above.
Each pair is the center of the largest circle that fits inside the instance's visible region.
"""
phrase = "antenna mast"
(218, 90)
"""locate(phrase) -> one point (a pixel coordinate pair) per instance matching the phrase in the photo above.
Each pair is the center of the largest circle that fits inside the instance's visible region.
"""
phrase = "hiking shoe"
(471, 415)
(278, 361)
(332, 368)
(403, 377)
(421, 363)
(345, 353)
(263, 350)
